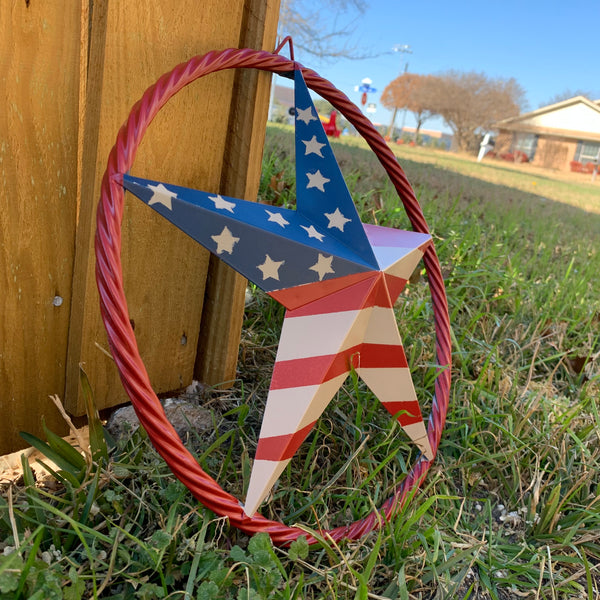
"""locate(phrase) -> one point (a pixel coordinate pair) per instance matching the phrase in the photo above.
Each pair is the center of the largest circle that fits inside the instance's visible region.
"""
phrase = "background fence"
(69, 74)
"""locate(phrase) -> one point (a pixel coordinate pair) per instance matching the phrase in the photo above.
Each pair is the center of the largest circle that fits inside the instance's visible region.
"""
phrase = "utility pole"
(403, 49)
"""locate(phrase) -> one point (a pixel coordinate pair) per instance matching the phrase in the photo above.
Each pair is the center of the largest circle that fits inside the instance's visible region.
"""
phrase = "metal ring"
(115, 314)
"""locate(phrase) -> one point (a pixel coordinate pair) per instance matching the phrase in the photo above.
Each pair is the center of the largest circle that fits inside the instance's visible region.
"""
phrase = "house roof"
(429, 132)
(575, 118)
(284, 95)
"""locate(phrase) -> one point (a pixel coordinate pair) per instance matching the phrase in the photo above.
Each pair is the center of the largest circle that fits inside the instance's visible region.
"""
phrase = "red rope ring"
(115, 314)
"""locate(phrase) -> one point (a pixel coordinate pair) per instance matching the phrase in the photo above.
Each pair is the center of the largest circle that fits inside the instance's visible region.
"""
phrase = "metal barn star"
(337, 277)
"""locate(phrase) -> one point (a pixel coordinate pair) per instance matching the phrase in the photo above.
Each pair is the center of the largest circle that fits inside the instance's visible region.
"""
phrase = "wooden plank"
(91, 80)
(164, 271)
(39, 82)
(224, 300)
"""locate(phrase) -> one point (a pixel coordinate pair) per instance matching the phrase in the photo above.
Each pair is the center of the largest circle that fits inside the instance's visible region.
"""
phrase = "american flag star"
(339, 284)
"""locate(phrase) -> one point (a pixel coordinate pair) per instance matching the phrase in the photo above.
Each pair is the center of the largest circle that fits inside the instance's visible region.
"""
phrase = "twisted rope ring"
(113, 305)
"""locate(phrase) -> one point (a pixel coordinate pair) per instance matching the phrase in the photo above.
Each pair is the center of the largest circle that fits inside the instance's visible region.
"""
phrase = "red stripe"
(379, 295)
(365, 294)
(318, 369)
(281, 447)
(353, 292)
(299, 295)
(308, 371)
(349, 298)
(379, 356)
(395, 285)
(411, 411)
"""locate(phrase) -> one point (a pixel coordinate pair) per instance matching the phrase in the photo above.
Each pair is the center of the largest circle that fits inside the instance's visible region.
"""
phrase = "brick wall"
(554, 153)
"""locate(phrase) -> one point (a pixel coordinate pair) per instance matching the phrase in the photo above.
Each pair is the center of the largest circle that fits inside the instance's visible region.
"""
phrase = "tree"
(412, 92)
(323, 28)
(567, 95)
(470, 103)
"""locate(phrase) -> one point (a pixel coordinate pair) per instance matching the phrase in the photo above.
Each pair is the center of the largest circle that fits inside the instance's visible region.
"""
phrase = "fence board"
(39, 79)
(164, 271)
(224, 299)
(69, 74)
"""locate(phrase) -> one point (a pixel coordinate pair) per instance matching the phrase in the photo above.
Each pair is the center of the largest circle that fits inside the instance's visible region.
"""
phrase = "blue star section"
(275, 248)
(323, 196)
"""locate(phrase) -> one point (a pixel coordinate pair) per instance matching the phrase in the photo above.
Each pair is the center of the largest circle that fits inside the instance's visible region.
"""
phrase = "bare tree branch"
(567, 94)
(470, 103)
(326, 29)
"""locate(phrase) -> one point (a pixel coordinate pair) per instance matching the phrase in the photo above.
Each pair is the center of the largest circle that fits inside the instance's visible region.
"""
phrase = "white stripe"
(389, 385)
(331, 333)
(263, 477)
(290, 409)
(382, 327)
(318, 335)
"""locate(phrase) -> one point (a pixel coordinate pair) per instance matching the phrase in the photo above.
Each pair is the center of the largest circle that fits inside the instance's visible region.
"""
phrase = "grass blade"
(98, 443)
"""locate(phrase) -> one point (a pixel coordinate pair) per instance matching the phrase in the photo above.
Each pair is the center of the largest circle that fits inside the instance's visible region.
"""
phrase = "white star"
(313, 233)
(313, 147)
(305, 115)
(316, 180)
(225, 241)
(270, 268)
(323, 266)
(336, 219)
(161, 195)
(222, 203)
(277, 218)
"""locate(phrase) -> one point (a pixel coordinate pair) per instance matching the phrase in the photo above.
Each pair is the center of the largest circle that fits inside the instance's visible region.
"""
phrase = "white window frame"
(587, 152)
(525, 143)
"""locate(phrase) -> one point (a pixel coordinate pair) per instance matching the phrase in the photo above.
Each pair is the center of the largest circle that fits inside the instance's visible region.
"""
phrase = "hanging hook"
(286, 40)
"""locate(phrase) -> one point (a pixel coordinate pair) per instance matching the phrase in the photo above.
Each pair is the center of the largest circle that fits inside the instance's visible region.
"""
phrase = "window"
(587, 152)
(525, 143)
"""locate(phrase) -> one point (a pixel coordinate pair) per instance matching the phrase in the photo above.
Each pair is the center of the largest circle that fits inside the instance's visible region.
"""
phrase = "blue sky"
(548, 47)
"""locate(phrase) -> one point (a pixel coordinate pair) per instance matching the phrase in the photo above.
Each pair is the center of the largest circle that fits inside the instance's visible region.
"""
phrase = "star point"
(221, 203)
(161, 195)
(321, 343)
(316, 180)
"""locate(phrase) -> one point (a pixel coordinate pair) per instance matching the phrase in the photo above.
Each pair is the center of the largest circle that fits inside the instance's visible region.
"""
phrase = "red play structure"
(329, 125)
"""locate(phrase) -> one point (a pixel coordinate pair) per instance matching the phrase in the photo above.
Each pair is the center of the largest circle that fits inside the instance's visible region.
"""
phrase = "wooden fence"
(69, 73)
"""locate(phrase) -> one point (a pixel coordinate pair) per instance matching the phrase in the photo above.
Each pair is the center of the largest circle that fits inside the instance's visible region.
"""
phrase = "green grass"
(569, 188)
(511, 507)
(575, 189)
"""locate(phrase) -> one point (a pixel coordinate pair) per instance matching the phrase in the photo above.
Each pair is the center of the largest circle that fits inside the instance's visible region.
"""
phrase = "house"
(282, 104)
(284, 95)
(428, 137)
(562, 136)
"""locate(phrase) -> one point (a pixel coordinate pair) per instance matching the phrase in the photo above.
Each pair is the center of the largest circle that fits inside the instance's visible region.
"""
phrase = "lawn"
(510, 509)
(575, 189)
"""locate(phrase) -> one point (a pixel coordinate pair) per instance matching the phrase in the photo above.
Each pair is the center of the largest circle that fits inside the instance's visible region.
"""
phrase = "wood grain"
(164, 271)
(39, 89)
(225, 292)
(69, 74)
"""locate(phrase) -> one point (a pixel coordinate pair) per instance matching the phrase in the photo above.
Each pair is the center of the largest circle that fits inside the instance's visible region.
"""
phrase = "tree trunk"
(391, 129)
